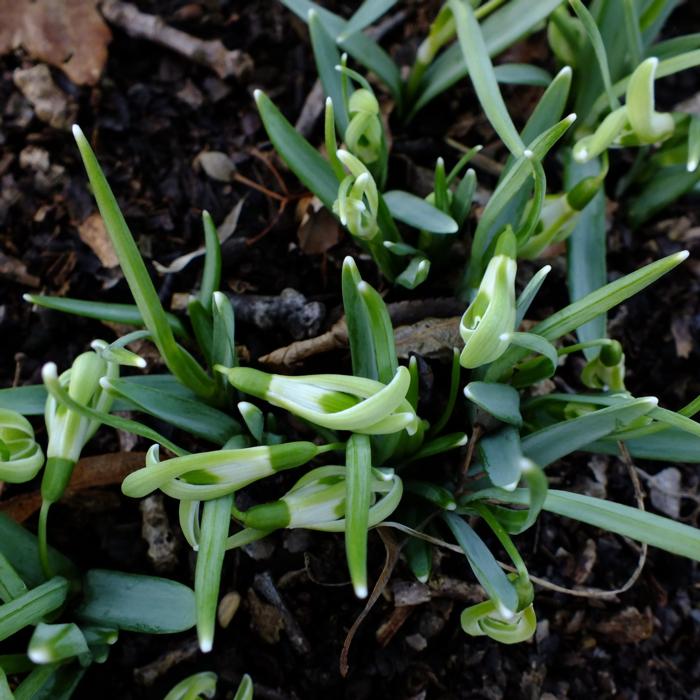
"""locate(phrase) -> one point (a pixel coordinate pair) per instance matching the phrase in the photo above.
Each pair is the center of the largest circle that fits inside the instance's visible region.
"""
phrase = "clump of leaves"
(377, 454)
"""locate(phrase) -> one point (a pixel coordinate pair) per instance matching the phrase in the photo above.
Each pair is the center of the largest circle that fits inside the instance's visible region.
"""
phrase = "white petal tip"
(361, 591)
(49, 371)
(571, 118)
(77, 132)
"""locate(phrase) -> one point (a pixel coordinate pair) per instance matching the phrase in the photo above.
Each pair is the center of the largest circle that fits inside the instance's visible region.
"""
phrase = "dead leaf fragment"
(70, 35)
(431, 337)
(94, 234)
(680, 329)
(15, 270)
(318, 229)
(50, 103)
(265, 619)
(628, 627)
(102, 470)
(217, 165)
(665, 491)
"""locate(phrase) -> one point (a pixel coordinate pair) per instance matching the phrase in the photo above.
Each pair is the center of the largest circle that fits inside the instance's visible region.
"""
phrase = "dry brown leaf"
(69, 34)
(682, 337)
(628, 627)
(50, 103)
(431, 337)
(103, 470)
(15, 270)
(319, 230)
(94, 234)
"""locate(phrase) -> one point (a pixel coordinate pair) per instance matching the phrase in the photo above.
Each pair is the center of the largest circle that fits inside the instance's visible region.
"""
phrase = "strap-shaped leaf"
(476, 57)
(21, 549)
(180, 363)
(627, 521)
(363, 49)
(502, 457)
(327, 57)
(216, 520)
(301, 157)
(190, 415)
(500, 30)
(482, 562)
(211, 275)
(31, 606)
(358, 495)
(418, 213)
(556, 441)
(499, 400)
(136, 603)
(579, 312)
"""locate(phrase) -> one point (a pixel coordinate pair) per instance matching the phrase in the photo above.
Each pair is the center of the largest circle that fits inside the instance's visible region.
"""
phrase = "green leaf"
(367, 13)
(327, 57)
(245, 689)
(21, 549)
(499, 400)
(192, 687)
(586, 250)
(211, 275)
(418, 213)
(438, 445)
(301, 157)
(521, 74)
(128, 314)
(363, 49)
(360, 336)
(528, 294)
(507, 189)
(216, 520)
(501, 456)
(11, 585)
(500, 30)
(670, 445)
(575, 315)
(598, 45)
(137, 603)
(433, 493)
(190, 415)
(665, 187)
(556, 441)
(358, 495)
(180, 363)
(476, 57)
(636, 524)
(53, 643)
(30, 607)
(483, 563)
(415, 273)
(50, 682)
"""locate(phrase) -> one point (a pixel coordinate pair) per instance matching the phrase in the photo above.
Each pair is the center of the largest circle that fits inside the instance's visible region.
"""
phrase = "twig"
(210, 53)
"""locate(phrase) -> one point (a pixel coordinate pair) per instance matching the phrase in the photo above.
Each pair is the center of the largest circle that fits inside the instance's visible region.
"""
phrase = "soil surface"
(150, 118)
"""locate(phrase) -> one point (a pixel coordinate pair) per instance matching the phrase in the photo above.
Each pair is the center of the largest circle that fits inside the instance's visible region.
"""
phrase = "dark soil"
(149, 117)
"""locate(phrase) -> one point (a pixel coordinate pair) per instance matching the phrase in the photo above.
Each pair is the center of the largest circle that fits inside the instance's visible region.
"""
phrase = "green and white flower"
(491, 316)
(214, 474)
(20, 455)
(317, 502)
(335, 401)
